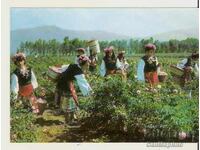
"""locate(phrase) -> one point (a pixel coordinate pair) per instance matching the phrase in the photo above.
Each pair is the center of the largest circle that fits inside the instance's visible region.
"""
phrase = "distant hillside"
(177, 34)
(53, 32)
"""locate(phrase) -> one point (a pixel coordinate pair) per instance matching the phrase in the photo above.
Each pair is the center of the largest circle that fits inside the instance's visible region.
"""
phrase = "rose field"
(117, 111)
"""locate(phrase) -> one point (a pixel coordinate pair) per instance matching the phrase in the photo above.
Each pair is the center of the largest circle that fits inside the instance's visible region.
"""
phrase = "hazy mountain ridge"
(177, 34)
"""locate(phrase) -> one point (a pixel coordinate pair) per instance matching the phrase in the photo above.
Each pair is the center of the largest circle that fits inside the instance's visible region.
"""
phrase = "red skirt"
(151, 77)
(26, 90)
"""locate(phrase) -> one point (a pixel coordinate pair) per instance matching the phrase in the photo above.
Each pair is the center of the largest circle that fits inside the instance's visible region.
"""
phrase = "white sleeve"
(182, 63)
(103, 69)
(34, 80)
(96, 58)
(156, 61)
(119, 64)
(125, 65)
(83, 84)
(14, 85)
(76, 60)
(140, 70)
(196, 70)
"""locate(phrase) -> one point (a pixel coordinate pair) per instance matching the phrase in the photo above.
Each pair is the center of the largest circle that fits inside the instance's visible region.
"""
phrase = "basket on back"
(93, 46)
(177, 74)
(162, 76)
(53, 73)
(176, 71)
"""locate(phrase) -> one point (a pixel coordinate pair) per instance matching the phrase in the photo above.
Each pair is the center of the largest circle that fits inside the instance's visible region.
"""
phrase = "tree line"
(131, 46)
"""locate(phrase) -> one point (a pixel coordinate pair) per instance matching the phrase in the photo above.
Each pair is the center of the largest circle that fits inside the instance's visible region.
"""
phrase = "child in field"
(65, 86)
(80, 51)
(190, 67)
(23, 81)
(110, 63)
(148, 65)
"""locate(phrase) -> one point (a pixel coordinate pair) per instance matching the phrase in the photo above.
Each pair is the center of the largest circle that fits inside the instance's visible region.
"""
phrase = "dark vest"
(149, 67)
(110, 63)
(68, 75)
(23, 79)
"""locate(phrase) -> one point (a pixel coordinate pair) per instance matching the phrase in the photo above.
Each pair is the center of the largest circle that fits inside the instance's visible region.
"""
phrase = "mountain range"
(177, 34)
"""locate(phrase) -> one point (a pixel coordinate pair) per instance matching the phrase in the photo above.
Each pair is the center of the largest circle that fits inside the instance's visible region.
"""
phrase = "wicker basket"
(162, 76)
(94, 46)
(178, 72)
(52, 73)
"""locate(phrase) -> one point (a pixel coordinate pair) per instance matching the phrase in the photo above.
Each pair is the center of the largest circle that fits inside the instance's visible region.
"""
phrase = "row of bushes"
(132, 109)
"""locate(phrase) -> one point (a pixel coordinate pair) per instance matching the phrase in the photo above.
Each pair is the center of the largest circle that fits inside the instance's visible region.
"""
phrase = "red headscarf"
(18, 57)
(108, 49)
(150, 46)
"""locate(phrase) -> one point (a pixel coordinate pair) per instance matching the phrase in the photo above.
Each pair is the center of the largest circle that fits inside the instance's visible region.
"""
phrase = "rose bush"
(119, 106)
(21, 122)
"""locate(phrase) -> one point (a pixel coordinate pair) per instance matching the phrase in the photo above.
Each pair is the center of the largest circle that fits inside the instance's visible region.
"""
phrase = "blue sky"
(127, 21)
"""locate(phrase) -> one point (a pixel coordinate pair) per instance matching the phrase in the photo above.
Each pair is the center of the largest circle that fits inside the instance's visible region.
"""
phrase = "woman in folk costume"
(190, 66)
(80, 51)
(23, 81)
(123, 64)
(147, 67)
(65, 85)
(110, 63)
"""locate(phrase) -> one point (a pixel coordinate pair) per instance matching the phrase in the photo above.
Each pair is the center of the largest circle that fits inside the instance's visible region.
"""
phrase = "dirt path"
(51, 128)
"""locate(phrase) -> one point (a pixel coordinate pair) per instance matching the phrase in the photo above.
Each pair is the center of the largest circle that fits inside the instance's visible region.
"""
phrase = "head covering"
(82, 59)
(108, 49)
(121, 54)
(195, 55)
(18, 57)
(81, 49)
(149, 46)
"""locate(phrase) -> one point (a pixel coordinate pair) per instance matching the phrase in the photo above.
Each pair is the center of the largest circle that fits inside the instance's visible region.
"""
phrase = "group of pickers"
(23, 79)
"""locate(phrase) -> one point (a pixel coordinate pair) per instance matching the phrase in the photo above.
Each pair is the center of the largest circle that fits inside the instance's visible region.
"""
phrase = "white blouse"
(83, 84)
(123, 65)
(15, 84)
